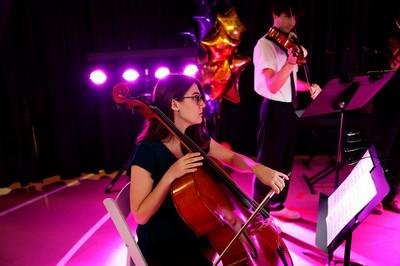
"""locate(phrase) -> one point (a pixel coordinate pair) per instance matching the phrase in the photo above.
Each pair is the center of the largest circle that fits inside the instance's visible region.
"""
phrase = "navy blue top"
(165, 238)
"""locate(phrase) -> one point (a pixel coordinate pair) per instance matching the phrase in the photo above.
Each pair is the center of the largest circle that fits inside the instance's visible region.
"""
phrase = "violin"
(210, 203)
(288, 41)
(394, 46)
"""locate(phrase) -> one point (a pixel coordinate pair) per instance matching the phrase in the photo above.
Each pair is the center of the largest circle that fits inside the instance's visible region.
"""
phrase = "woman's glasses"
(197, 98)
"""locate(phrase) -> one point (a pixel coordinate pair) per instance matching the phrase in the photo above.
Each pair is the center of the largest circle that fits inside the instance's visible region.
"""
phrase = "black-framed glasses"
(197, 98)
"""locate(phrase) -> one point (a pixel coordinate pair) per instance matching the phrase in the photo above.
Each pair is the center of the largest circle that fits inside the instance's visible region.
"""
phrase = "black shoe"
(378, 210)
(393, 206)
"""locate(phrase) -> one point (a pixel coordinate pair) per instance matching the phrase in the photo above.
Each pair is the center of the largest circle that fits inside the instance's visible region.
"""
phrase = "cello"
(213, 206)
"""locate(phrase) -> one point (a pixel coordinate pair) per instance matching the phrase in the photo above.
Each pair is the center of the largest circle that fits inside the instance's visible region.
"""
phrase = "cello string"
(261, 205)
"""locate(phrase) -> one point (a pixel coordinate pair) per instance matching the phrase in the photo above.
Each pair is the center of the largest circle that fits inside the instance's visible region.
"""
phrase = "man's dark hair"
(289, 7)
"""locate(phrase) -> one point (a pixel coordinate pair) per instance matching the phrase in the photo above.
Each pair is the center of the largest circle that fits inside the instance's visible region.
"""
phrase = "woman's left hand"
(270, 177)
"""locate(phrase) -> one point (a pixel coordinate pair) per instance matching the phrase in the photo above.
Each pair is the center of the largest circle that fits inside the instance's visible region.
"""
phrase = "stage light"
(98, 77)
(190, 70)
(130, 75)
(161, 72)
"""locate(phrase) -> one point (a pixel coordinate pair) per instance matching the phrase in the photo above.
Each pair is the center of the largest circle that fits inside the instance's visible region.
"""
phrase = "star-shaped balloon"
(221, 77)
(207, 73)
(237, 66)
(220, 66)
(220, 47)
(231, 24)
(239, 63)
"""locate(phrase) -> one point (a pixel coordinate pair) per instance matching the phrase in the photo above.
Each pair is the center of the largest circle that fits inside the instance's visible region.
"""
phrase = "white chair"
(119, 210)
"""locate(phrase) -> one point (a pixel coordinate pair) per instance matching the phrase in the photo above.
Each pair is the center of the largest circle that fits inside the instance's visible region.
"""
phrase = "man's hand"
(395, 64)
(314, 90)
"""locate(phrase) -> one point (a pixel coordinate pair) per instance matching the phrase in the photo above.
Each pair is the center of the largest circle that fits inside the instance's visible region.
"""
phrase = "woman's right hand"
(184, 165)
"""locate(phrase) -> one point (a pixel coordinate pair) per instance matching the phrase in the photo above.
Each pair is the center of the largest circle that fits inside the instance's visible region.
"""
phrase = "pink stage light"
(98, 77)
(130, 75)
(190, 70)
(161, 72)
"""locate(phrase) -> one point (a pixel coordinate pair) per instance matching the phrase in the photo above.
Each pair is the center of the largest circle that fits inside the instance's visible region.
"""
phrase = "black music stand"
(358, 212)
(338, 96)
(124, 168)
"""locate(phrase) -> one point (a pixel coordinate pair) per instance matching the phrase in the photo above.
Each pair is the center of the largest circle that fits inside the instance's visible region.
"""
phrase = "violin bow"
(306, 72)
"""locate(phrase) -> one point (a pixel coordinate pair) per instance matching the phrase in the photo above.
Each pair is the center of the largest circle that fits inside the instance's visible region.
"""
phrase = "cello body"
(211, 211)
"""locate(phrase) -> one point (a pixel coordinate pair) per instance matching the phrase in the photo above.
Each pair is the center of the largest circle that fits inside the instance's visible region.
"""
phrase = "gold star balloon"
(220, 47)
(220, 66)
(231, 24)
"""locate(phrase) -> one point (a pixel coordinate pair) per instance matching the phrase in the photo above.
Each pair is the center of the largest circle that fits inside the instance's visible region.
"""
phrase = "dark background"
(54, 122)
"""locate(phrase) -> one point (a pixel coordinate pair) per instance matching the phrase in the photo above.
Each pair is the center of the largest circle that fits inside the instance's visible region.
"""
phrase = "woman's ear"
(175, 105)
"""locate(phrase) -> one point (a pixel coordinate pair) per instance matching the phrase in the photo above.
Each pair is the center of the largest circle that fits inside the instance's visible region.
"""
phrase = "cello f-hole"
(281, 254)
(253, 253)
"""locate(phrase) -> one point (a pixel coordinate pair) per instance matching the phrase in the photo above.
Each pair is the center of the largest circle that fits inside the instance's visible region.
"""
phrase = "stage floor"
(67, 224)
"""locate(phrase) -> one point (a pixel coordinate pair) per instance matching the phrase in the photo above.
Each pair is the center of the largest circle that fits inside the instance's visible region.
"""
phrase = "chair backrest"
(119, 209)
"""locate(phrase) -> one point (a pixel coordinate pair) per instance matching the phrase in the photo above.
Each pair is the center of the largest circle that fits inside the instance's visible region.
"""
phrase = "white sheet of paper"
(356, 191)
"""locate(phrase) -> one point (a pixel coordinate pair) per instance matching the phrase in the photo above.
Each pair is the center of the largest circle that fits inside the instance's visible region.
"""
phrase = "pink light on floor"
(98, 77)
(117, 256)
(130, 75)
(190, 70)
(161, 72)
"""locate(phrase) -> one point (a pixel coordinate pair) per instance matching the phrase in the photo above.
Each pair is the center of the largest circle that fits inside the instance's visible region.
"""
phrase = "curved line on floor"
(83, 240)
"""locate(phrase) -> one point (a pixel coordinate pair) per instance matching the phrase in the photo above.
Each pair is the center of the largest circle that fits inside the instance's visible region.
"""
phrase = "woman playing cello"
(159, 160)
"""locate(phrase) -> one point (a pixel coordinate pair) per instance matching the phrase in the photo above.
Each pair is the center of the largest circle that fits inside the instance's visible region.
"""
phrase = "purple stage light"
(190, 70)
(130, 75)
(161, 72)
(98, 77)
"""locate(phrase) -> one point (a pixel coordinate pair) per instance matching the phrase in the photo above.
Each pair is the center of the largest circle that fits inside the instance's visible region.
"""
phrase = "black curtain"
(53, 122)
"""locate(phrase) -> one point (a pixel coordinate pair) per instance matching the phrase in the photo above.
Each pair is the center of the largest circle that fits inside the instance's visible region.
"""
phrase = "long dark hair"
(289, 7)
(167, 89)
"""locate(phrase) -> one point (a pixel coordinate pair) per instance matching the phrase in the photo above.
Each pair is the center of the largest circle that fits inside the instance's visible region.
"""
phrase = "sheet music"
(356, 191)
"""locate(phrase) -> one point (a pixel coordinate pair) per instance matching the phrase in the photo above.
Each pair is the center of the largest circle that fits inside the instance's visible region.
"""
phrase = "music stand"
(345, 209)
(338, 96)
(124, 168)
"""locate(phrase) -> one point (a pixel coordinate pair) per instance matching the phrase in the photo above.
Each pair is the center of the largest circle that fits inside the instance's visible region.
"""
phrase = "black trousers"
(385, 132)
(276, 140)
(385, 135)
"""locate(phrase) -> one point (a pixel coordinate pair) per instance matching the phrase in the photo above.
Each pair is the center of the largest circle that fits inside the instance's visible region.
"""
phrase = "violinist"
(159, 159)
(385, 129)
(275, 78)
